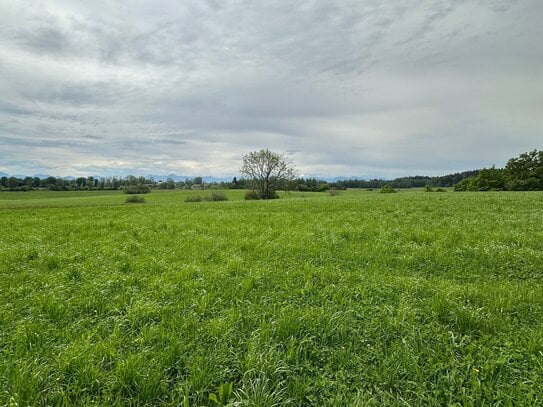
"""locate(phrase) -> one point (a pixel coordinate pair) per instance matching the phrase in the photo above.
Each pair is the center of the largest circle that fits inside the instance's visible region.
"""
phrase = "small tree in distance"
(268, 171)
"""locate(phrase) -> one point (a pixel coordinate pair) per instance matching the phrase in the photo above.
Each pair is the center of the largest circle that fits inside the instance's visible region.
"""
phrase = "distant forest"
(298, 184)
(524, 172)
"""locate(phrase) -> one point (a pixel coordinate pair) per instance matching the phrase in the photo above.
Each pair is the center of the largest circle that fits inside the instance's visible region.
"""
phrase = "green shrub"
(489, 179)
(251, 195)
(428, 188)
(464, 185)
(387, 189)
(333, 192)
(193, 198)
(137, 189)
(135, 199)
(268, 195)
(217, 196)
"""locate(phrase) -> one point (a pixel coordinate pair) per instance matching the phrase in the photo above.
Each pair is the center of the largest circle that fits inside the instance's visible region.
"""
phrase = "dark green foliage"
(418, 181)
(135, 199)
(428, 188)
(137, 189)
(387, 189)
(267, 194)
(193, 198)
(217, 196)
(308, 185)
(464, 185)
(525, 173)
(489, 179)
(251, 195)
(451, 179)
(254, 195)
(214, 196)
(66, 184)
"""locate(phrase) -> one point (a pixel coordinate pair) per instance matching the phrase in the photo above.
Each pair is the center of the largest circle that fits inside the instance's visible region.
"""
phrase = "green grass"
(360, 299)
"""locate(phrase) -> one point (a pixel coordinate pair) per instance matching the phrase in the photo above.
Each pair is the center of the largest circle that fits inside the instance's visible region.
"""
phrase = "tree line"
(524, 172)
(98, 183)
(296, 184)
(417, 181)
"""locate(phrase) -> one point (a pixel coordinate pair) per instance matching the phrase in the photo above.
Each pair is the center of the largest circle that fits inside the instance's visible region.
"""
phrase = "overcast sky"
(354, 88)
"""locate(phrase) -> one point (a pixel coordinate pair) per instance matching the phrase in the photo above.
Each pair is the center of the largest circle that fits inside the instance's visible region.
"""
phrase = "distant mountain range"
(41, 176)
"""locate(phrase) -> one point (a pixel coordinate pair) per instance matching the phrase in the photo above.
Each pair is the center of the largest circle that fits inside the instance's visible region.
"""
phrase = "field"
(364, 299)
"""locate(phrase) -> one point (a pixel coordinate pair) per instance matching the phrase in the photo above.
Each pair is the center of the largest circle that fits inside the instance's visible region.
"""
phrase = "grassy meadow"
(360, 299)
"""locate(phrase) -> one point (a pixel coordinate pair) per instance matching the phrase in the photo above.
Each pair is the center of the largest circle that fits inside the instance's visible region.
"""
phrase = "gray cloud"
(47, 39)
(348, 88)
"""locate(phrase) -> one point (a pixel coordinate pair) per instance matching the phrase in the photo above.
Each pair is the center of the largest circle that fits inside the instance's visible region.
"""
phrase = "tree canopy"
(522, 173)
(268, 172)
(525, 172)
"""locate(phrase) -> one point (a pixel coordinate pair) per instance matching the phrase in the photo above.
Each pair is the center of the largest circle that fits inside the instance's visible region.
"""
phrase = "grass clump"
(387, 189)
(251, 195)
(135, 199)
(215, 196)
(193, 198)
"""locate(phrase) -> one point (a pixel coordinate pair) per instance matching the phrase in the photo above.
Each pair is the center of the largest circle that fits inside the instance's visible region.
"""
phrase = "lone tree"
(268, 171)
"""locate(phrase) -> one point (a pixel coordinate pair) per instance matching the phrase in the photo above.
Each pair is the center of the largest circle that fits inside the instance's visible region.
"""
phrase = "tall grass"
(357, 299)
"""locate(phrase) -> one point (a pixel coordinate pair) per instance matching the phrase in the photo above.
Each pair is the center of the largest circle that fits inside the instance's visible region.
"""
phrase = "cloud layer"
(346, 88)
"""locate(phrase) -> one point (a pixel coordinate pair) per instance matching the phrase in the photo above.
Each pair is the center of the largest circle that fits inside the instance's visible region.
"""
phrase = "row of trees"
(295, 184)
(522, 173)
(266, 172)
(62, 184)
(97, 183)
(417, 181)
